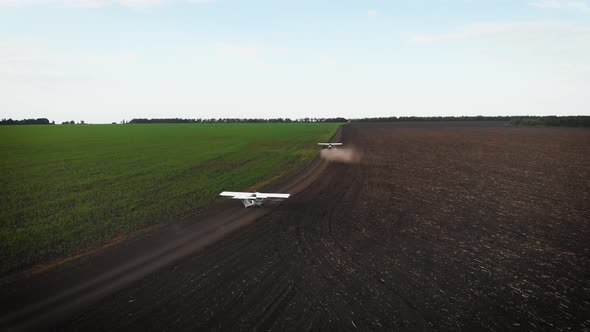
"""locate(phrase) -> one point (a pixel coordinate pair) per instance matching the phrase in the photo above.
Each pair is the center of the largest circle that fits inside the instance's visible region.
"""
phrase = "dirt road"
(439, 226)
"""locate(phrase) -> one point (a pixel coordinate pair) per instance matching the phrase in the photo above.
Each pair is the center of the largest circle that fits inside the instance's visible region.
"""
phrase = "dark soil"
(440, 226)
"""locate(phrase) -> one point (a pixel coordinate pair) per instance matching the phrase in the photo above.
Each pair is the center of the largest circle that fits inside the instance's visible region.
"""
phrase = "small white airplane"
(255, 198)
(330, 145)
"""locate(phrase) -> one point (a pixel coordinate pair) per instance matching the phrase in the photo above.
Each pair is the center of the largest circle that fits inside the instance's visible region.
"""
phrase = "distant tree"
(38, 121)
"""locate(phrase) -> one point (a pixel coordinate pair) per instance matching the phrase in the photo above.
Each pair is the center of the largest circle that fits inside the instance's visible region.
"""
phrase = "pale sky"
(104, 61)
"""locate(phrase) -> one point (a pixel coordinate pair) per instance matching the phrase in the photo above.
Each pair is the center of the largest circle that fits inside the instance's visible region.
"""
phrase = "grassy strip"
(65, 189)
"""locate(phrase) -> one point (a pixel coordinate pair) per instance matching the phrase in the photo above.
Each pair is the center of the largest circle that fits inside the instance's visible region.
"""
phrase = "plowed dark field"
(439, 226)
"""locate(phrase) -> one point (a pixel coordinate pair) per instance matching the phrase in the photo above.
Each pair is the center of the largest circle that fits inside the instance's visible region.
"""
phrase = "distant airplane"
(330, 145)
(255, 198)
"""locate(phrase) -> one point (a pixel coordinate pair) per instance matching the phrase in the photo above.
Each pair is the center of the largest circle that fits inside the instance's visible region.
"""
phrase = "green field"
(68, 188)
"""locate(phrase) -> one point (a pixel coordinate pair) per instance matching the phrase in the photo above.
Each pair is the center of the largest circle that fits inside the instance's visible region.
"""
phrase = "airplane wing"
(236, 194)
(333, 144)
(244, 195)
(272, 195)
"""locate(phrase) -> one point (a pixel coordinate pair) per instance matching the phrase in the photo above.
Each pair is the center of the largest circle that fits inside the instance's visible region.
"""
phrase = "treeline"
(236, 120)
(433, 118)
(551, 121)
(40, 121)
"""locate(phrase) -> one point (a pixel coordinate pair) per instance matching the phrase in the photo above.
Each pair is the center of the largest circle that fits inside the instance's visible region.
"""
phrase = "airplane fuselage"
(252, 202)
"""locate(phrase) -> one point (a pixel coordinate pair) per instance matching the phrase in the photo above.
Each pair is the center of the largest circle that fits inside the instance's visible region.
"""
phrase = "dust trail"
(64, 304)
(341, 155)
